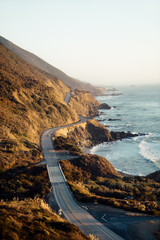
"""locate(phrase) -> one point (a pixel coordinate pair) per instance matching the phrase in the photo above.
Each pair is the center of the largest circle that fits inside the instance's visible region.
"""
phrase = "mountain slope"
(38, 62)
(30, 101)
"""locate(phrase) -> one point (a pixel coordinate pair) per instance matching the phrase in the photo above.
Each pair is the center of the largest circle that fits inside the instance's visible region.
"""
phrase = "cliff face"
(86, 134)
(84, 103)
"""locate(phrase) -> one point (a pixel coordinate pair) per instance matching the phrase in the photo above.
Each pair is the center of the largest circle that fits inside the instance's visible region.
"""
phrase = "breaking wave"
(150, 150)
(94, 149)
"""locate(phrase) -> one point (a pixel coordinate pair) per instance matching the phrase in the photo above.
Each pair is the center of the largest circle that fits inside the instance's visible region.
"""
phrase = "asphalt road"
(70, 208)
(123, 222)
(68, 96)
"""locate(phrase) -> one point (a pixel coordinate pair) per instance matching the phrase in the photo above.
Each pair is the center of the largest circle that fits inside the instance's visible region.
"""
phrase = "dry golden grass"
(91, 178)
(33, 219)
(31, 100)
(24, 182)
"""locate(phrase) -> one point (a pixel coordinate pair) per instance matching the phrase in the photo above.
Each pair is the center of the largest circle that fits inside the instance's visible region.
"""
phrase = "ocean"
(137, 110)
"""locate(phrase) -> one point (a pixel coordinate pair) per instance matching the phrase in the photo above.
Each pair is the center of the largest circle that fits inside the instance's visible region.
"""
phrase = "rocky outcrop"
(90, 133)
(154, 176)
(113, 119)
(104, 106)
(121, 135)
(115, 94)
(98, 132)
(86, 134)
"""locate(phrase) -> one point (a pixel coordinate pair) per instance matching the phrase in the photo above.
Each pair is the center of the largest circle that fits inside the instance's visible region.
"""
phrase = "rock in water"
(104, 106)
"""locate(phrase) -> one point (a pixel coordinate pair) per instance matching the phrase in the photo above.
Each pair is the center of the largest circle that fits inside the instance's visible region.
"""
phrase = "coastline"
(138, 156)
(86, 150)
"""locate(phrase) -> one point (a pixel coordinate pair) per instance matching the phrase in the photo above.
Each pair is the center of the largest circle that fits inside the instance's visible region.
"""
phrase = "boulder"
(104, 106)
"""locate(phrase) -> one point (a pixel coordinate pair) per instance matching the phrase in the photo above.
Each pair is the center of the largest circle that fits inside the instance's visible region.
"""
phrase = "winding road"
(70, 208)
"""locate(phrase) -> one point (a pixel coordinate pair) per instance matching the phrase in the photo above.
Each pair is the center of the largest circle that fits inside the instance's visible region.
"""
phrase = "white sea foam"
(128, 125)
(135, 138)
(134, 132)
(150, 151)
(139, 155)
(131, 172)
(94, 149)
(119, 170)
(149, 135)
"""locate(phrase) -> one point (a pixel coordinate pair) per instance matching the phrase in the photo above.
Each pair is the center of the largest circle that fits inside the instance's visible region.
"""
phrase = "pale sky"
(96, 41)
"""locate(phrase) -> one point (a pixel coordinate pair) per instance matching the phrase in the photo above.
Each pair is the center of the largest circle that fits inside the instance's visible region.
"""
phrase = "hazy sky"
(97, 41)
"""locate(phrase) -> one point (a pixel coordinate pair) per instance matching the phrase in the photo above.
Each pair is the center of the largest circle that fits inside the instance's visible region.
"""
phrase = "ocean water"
(137, 110)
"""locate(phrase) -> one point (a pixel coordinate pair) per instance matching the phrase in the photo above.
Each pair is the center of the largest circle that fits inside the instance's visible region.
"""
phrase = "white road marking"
(104, 218)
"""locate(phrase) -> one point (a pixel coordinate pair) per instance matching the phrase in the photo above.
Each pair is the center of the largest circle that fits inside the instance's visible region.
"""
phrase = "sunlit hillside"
(31, 101)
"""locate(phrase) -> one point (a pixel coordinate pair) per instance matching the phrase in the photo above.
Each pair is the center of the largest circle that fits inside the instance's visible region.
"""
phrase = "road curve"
(70, 208)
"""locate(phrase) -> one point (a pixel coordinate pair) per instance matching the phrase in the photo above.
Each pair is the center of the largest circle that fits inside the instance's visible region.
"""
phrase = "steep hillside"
(38, 62)
(30, 101)
(33, 219)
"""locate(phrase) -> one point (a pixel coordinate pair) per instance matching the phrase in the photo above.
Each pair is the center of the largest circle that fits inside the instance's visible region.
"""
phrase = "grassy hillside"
(94, 179)
(39, 63)
(89, 166)
(33, 219)
(24, 182)
(30, 101)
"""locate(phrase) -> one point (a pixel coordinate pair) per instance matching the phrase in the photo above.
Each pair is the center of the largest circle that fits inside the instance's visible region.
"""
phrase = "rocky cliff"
(90, 133)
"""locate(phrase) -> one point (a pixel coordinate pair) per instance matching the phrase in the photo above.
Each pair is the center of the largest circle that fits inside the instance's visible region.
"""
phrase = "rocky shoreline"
(86, 150)
(92, 132)
(120, 136)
